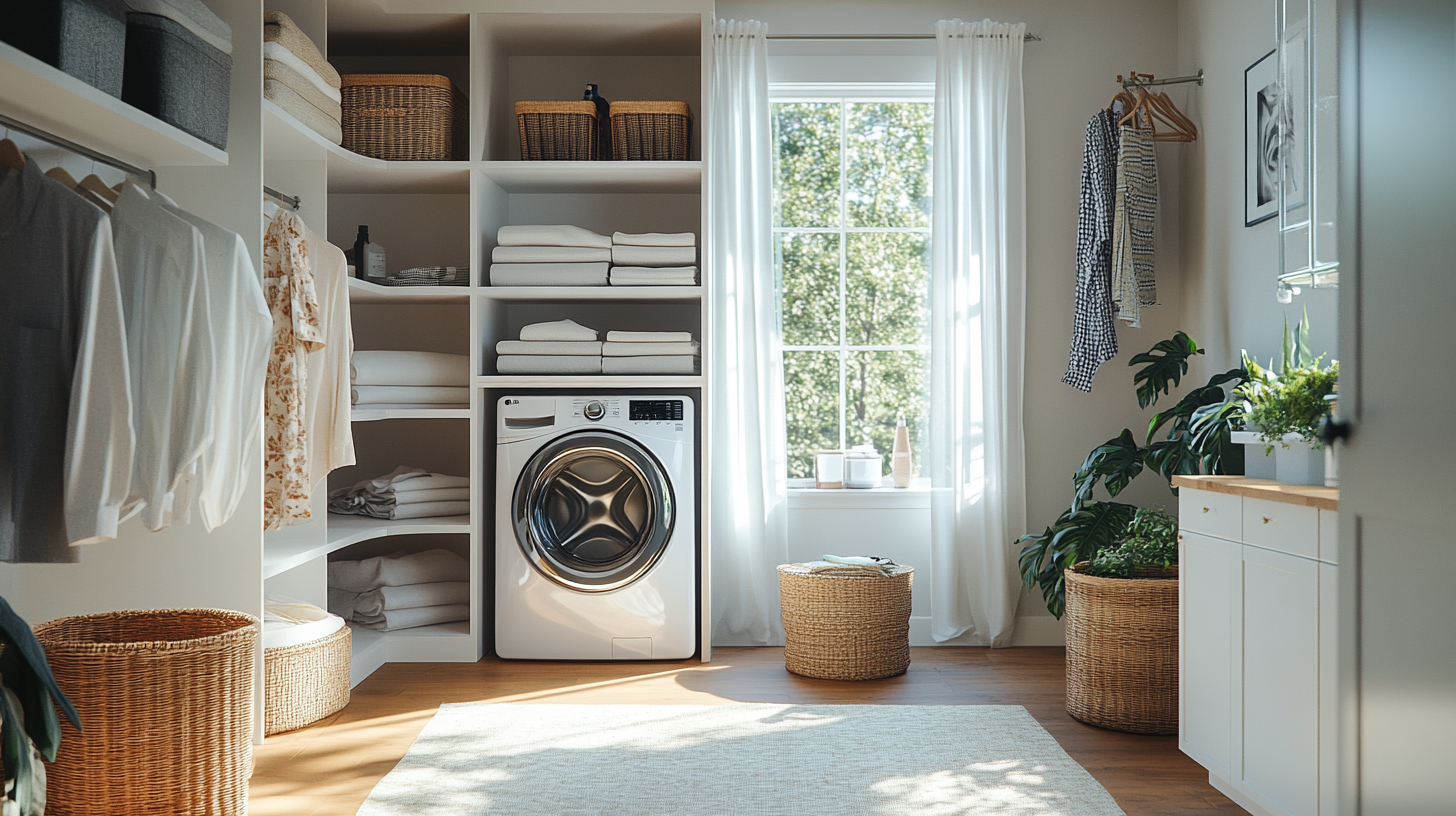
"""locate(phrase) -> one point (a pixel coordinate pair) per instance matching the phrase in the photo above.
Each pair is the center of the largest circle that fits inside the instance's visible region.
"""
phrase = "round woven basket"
(1122, 650)
(305, 683)
(166, 704)
(846, 624)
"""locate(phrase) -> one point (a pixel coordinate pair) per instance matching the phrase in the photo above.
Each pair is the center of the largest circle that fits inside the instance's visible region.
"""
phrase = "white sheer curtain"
(747, 457)
(977, 288)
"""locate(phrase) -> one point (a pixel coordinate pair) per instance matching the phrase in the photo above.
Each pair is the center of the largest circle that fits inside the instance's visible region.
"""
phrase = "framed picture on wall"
(1261, 140)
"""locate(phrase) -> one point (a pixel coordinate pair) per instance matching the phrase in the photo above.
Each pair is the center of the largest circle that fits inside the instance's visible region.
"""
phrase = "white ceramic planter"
(1257, 464)
(1294, 459)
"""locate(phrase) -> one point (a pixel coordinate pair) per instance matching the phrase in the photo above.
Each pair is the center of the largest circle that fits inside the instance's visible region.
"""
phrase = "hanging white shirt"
(327, 400)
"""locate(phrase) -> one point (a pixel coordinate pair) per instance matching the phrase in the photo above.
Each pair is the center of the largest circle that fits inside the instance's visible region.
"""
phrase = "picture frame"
(1262, 137)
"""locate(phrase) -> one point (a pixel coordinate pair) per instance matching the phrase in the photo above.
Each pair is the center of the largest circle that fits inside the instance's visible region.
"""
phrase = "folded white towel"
(675, 279)
(341, 603)
(410, 395)
(276, 52)
(397, 619)
(561, 235)
(680, 364)
(443, 494)
(558, 330)
(649, 337)
(409, 368)
(549, 254)
(548, 364)
(405, 478)
(389, 599)
(428, 567)
(654, 271)
(654, 256)
(655, 239)
(436, 509)
(612, 349)
(549, 274)
(579, 348)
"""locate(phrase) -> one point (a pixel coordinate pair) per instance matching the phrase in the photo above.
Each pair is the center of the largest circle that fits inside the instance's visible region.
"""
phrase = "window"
(852, 256)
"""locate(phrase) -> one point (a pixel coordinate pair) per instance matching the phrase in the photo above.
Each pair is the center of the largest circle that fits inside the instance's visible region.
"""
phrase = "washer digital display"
(661, 410)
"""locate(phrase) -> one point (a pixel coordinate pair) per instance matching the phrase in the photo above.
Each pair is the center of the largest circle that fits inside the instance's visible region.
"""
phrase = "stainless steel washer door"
(593, 511)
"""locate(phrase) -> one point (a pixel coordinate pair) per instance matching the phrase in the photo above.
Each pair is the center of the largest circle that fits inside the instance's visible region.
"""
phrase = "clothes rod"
(150, 175)
(871, 37)
(1128, 83)
(292, 201)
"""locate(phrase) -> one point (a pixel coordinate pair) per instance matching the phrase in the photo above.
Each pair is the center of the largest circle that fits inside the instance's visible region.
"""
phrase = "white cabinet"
(1257, 650)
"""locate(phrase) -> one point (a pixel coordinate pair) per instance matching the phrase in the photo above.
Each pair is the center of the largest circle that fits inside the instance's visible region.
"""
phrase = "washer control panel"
(597, 409)
(594, 410)
(655, 410)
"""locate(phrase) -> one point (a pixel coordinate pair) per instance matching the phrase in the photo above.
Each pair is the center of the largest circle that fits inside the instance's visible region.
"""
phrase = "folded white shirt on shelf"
(548, 364)
(561, 235)
(649, 337)
(654, 256)
(549, 254)
(549, 274)
(409, 368)
(655, 239)
(577, 348)
(428, 567)
(411, 395)
(388, 599)
(618, 349)
(558, 331)
(677, 364)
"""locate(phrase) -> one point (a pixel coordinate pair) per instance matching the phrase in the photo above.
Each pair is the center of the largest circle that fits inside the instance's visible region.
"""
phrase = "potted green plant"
(1283, 406)
(30, 731)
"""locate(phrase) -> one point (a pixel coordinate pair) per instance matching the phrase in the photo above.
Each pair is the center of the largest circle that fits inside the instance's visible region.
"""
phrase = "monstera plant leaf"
(24, 670)
(1076, 536)
(1182, 413)
(1166, 363)
(1115, 463)
(1211, 436)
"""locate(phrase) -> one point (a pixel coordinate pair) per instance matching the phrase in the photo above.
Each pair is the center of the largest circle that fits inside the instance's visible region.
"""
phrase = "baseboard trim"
(1030, 631)
(1227, 789)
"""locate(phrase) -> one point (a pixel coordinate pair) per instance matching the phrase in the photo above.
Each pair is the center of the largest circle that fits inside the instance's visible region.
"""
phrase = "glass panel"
(887, 147)
(887, 282)
(881, 386)
(806, 164)
(809, 273)
(1326, 131)
(811, 389)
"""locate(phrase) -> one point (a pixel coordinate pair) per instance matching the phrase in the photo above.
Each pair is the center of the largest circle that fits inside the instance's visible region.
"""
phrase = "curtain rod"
(293, 201)
(150, 175)
(871, 37)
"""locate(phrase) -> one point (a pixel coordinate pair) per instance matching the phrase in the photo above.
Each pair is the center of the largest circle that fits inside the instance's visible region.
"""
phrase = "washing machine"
(596, 528)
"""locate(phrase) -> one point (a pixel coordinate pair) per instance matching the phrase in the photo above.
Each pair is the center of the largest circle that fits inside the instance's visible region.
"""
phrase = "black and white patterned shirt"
(1094, 339)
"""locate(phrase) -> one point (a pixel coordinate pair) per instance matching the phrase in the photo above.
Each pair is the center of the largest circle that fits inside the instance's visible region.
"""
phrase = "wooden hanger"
(60, 174)
(94, 183)
(11, 156)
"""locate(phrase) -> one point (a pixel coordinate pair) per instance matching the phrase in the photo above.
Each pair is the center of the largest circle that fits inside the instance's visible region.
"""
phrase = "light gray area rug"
(585, 760)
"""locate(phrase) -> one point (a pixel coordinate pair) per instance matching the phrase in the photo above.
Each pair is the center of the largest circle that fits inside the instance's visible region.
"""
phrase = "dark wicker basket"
(404, 117)
(651, 131)
(559, 131)
(1122, 650)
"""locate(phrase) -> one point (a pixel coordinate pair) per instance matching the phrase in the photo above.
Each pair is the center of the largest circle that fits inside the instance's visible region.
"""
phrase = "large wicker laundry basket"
(559, 131)
(305, 683)
(846, 623)
(166, 704)
(404, 117)
(1122, 650)
(651, 131)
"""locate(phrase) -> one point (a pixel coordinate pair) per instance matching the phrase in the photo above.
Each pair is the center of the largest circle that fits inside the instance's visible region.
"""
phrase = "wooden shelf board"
(595, 177)
(589, 381)
(362, 291)
(1323, 498)
(613, 293)
(52, 100)
(375, 413)
(293, 546)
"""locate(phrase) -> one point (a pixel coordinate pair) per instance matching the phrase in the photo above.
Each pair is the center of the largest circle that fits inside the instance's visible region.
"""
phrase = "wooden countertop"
(1323, 498)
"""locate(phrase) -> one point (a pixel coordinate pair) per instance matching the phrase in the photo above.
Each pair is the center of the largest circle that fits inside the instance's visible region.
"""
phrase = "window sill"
(875, 498)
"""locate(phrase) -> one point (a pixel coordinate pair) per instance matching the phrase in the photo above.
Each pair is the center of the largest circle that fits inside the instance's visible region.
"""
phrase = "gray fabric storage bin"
(84, 38)
(175, 76)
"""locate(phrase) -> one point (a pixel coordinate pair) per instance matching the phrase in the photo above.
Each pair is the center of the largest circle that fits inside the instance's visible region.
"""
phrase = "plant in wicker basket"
(29, 729)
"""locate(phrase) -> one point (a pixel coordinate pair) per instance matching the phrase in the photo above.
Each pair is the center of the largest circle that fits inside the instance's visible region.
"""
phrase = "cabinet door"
(1206, 569)
(1278, 690)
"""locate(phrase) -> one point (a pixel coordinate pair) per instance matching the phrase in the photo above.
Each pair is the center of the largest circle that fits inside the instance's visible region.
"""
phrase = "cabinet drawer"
(1287, 528)
(1215, 514)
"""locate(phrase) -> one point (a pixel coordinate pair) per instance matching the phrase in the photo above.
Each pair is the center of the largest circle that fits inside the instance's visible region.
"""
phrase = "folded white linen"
(429, 482)
(549, 254)
(649, 337)
(580, 347)
(436, 509)
(549, 274)
(548, 364)
(193, 15)
(397, 619)
(406, 493)
(561, 235)
(304, 88)
(325, 124)
(676, 279)
(276, 52)
(341, 603)
(428, 567)
(558, 331)
(654, 256)
(612, 349)
(654, 271)
(411, 395)
(655, 239)
(405, 478)
(443, 494)
(678, 364)
(388, 599)
(409, 368)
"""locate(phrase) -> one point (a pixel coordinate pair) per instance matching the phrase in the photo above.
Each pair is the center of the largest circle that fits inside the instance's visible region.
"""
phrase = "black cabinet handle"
(1332, 430)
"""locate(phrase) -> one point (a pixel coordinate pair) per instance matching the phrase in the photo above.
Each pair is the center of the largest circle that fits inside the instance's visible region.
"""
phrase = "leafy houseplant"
(1150, 540)
(29, 728)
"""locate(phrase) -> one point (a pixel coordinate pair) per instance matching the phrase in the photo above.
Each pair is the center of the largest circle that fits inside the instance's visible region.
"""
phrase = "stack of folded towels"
(401, 591)
(560, 347)
(298, 79)
(551, 255)
(407, 493)
(640, 352)
(654, 259)
(410, 378)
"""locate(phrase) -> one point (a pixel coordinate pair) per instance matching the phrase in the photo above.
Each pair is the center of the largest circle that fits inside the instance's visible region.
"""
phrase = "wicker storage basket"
(305, 683)
(166, 701)
(651, 131)
(846, 624)
(559, 131)
(1122, 650)
(404, 117)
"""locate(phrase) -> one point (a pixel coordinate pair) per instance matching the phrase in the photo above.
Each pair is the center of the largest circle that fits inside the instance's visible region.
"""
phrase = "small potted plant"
(1284, 404)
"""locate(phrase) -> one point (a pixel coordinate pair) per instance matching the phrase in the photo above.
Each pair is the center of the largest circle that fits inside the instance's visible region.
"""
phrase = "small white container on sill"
(829, 470)
(863, 467)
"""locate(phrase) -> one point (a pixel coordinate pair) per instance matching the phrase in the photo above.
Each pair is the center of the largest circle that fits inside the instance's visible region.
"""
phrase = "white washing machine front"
(596, 528)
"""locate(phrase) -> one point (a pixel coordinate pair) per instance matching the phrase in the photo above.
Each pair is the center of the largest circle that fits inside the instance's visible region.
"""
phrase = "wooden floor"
(329, 768)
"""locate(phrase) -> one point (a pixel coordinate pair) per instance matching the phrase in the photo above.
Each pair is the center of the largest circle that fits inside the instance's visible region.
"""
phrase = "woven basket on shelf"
(651, 131)
(166, 704)
(305, 683)
(846, 624)
(404, 117)
(559, 131)
(1122, 650)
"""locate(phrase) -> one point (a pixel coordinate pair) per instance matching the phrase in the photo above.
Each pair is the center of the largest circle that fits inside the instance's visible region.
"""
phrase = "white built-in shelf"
(52, 100)
(362, 291)
(443, 642)
(294, 546)
(347, 175)
(587, 381)
(374, 413)
(287, 139)
(602, 293)
(595, 177)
